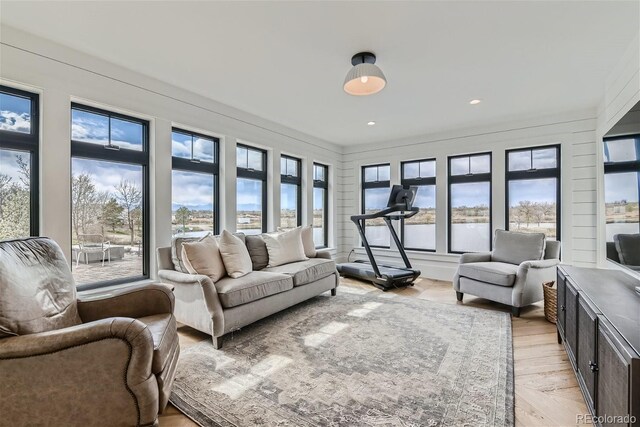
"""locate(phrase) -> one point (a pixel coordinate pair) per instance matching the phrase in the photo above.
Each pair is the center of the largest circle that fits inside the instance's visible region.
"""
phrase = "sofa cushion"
(252, 287)
(235, 255)
(514, 248)
(257, 251)
(37, 291)
(203, 257)
(496, 273)
(308, 271)
(628, 248)
(163, 328)
(284, 247)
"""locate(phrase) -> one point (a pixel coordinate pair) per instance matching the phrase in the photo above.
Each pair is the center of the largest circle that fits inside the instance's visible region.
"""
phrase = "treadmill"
(385, 277)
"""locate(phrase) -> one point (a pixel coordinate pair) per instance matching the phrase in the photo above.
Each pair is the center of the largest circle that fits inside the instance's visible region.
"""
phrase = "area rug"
(357, 359)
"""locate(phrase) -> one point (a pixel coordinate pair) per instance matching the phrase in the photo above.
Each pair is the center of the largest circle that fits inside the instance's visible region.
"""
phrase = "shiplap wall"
(575, 132)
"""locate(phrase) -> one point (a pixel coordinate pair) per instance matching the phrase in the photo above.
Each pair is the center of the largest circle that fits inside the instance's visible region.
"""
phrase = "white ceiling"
(286, 61)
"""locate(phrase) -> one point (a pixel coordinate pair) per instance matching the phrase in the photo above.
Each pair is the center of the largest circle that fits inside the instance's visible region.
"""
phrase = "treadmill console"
(402, 195)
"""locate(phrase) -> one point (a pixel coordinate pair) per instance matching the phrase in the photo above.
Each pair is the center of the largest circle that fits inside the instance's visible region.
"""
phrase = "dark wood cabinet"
(599, 324)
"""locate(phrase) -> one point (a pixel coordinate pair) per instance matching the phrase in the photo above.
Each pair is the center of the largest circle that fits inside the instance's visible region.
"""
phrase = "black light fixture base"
(362, 58)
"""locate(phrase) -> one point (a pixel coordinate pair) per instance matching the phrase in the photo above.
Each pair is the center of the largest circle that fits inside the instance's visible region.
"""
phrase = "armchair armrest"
(106, 363)
(475, 257)
(323, 253)
(542, 263)
(136, 301)
(177, 277)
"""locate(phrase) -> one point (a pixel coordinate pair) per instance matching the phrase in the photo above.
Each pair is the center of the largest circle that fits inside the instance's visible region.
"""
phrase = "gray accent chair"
(512, 273)
(229, 304)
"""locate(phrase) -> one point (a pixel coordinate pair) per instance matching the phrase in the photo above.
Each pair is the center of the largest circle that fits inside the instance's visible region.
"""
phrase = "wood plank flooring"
(546, 390)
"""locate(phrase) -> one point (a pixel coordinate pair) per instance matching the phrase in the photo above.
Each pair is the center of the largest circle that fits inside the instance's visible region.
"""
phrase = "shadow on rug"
(364, 359)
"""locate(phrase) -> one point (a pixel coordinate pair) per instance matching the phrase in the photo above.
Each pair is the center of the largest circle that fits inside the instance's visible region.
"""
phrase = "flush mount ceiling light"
(371, 123)
(475, 101)
(365, 78)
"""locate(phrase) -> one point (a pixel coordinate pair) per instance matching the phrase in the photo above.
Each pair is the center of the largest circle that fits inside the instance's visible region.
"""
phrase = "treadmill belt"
(365, 270)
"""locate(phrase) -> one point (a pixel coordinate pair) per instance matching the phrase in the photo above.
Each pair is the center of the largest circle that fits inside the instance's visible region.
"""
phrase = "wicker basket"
(550, 301)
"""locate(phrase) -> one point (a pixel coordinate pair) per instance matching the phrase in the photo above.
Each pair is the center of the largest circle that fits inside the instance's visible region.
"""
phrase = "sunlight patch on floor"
(355, 291)
(234, 387)
(367, 308)
(326, 332)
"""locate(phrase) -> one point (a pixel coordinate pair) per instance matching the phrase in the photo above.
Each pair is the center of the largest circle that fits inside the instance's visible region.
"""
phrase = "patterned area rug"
(358, 359)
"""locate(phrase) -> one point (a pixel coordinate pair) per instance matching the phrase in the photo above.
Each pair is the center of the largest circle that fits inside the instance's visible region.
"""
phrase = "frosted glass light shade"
(355, 84)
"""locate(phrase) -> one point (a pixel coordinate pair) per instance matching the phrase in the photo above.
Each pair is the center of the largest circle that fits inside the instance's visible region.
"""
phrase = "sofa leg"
(515, 311)
(459, 296)
(217, 343)
(559, 337)
(334, 291)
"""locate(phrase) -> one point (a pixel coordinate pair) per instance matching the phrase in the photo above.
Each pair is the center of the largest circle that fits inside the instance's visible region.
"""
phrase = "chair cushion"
(515, 248)
(496, 273)
(164, 331)
(628, 248)
(257, 251)
(308, 271)
(251, 287)
(37, 291)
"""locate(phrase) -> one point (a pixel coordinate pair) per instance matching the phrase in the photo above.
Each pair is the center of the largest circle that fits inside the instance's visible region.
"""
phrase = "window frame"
(324, 184)
(417, 182)
(294, 180)
(372, 184)
(624, 167)
(17, 141)
(196, 166)
(466, 179)
(249, 173)
(91, 151)
(534, 174)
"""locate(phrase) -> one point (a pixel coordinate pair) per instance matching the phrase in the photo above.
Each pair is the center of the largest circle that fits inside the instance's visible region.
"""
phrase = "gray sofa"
(230, 304)
(512, 273)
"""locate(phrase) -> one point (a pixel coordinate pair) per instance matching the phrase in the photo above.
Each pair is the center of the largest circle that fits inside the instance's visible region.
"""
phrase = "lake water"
(465, 237)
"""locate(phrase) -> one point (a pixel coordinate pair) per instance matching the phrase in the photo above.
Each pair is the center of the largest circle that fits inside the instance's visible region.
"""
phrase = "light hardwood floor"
(546, 390)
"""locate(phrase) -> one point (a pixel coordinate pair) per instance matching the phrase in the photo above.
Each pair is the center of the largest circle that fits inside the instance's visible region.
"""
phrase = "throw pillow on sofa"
(176, 251)
(307, 241)
(285, 247)
(203, 257)
(235, 255)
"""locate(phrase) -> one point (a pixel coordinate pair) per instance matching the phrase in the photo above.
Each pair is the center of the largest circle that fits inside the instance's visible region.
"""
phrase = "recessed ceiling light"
(371, 123)
(475, 101)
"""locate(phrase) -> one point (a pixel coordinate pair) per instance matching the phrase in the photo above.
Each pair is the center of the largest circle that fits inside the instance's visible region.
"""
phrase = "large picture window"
(290, 192)
(320, 205)
(376, 184)
(621, 185)
(419, 231)
(251, 202)
(194, 184)
(469, 203)
(533, 190)
(19, 136)
(109, 197)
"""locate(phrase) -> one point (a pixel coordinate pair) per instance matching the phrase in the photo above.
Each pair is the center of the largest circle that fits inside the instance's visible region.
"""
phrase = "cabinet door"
(561, 302)
(571, 321)
(613, 376)
(586, 355)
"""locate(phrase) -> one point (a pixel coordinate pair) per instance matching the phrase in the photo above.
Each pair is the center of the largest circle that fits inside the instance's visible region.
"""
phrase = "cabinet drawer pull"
(562, 307)
(593, 366)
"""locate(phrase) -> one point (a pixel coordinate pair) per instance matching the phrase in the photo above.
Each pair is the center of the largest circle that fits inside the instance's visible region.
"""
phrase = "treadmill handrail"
(401, 208)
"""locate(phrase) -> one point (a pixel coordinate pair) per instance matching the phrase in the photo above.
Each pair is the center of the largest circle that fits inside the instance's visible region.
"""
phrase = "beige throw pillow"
(235, 255)
(203, 257)
(284, 247)
(307, 241)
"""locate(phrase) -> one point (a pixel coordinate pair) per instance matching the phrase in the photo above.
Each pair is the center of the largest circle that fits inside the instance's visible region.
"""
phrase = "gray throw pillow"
(257, 251)
(515, 248)
(628, 247)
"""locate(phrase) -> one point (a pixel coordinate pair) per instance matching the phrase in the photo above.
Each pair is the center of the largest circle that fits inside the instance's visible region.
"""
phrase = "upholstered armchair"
(107, 361)
(512, 273)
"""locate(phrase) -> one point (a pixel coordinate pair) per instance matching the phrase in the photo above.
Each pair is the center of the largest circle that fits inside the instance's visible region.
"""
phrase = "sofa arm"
(323, 253)
(105, 364)
(475, 257)
(134, 301)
